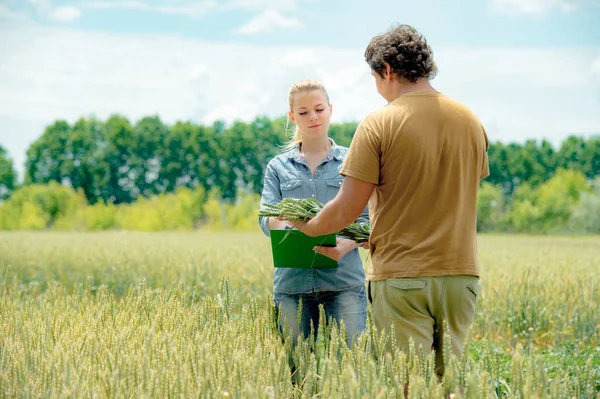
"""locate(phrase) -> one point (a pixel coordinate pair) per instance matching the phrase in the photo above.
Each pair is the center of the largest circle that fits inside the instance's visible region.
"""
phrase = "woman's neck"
(315, 146)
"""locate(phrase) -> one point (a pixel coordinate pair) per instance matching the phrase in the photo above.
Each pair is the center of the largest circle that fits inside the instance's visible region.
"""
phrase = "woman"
(309, 168)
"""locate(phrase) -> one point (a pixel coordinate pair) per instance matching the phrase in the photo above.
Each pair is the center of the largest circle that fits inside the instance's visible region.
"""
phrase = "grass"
(189, 315)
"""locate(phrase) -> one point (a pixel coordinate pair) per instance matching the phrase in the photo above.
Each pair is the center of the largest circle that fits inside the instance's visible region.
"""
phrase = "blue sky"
(529, 68)
(346, 24)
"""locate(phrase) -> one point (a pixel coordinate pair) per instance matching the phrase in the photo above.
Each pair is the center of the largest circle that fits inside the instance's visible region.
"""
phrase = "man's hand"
(305, 228)
(343, 246)
(338, 213)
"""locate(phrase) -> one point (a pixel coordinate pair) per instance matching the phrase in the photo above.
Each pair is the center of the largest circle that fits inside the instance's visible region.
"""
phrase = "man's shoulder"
(388, 112)
(380, 113)
(455, 106)
(375, 119)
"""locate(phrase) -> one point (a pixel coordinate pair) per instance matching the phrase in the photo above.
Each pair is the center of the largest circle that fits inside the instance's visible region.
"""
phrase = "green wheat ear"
(286, 235)
(305, 209)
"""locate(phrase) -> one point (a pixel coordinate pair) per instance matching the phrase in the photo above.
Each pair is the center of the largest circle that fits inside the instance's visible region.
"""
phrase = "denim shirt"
(288, 175)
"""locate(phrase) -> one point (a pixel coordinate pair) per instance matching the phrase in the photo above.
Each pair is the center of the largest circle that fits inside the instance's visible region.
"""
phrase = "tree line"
(116, 162)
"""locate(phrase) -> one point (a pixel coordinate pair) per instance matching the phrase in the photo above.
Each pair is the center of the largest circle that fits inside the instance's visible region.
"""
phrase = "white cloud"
(596, 77)
(7, 13)
(279, 5)
(19, 10)
(296, 57)
(16, 134)
(525, 93)
(39, 2)
(596, 67)
(108, 4)
(194, 9)
(41, 8)
(190, 9)
(268, 21)
(533, 7)
(65, 14)
(16, 11)
(60, 73)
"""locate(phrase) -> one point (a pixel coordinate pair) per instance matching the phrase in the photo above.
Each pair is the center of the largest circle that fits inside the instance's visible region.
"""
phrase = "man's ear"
(388, 71)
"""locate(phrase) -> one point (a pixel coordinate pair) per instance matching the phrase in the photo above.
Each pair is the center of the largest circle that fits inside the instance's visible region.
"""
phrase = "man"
(417, 162)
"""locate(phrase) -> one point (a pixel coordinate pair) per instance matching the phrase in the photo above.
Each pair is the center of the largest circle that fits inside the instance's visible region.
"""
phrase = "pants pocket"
(474, 287)
(407, 284)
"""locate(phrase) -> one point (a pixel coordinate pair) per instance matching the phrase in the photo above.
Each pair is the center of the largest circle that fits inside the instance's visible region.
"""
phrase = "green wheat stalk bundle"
(302, 210)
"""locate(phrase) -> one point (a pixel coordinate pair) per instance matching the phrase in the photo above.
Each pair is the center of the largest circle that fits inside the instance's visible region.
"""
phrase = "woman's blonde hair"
(301, 86)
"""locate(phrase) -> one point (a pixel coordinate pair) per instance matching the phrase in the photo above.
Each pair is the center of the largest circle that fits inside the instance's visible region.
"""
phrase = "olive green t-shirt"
(427, 154)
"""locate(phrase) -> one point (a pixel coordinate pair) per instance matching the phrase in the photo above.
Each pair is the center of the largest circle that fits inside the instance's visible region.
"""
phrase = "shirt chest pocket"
(291, 188)
(332, 186)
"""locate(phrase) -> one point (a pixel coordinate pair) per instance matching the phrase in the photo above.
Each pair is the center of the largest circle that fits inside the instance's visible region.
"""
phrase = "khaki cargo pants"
(417, 307)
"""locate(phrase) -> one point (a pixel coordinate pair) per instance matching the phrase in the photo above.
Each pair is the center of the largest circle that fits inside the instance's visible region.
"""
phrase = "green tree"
(342, 133)
(490, 207)
(586, 217)
(8, 176)
(499, 170)
(590, 158)
(181, 153)
(228, 170)
(147, 157)
(116, 163)
(579, 154)
(41, 206)
(539, 161)
(558, 197)
(265, 141)
(46, 156)
(115, 172)
(547, 159)
(549, 208)
(78, 167)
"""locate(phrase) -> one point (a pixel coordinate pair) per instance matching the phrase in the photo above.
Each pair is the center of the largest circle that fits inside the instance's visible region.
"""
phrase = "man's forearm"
(345, 208)
(331, 219)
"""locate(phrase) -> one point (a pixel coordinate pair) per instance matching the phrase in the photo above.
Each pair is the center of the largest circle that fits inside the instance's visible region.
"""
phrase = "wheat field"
(145, 315)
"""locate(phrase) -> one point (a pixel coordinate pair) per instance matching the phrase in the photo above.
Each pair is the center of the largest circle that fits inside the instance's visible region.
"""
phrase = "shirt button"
(340, 183)
(309, 179)
(313, 196)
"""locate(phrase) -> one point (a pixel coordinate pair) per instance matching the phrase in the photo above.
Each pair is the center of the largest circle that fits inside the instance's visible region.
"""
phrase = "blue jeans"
(349, 306)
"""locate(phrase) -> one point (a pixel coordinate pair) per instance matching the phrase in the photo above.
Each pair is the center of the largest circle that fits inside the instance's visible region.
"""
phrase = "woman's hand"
(304, 227)
(343, 246)
(278, 224)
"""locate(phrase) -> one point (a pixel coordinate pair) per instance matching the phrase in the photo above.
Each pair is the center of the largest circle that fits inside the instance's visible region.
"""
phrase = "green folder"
(297, 250)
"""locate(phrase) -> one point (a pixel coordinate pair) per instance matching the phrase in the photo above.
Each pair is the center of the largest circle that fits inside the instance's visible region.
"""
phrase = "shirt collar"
(336, 152)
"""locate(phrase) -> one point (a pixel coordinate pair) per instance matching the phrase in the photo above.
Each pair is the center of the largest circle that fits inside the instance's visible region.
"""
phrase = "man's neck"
(404, 87)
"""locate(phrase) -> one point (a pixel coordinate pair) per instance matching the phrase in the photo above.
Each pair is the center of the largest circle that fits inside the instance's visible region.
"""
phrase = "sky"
(530, 69)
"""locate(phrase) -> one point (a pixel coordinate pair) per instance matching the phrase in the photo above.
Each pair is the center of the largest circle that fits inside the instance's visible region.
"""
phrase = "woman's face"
(311, 112)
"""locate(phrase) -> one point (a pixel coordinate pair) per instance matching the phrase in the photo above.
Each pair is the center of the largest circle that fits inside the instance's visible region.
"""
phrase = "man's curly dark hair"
(405, 50)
